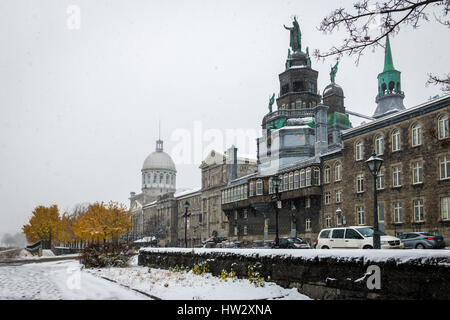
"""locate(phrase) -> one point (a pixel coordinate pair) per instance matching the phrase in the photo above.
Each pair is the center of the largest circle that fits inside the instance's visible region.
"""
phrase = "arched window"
(291, 181)
(327, 174)
(167, 179)
(286, 182)
(416, 135)
(396, 140)
(280, 187)
(302, 178)
(308, 176)
(259, 187)
(379, 145)
(161, 177)
(443, 127)
(359, 150)
(296, 180)
(316, 176)
(338, 171)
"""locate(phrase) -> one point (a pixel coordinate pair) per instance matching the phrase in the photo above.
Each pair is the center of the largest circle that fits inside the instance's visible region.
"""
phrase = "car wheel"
(420, 246)
(367, 247)
(324, 247)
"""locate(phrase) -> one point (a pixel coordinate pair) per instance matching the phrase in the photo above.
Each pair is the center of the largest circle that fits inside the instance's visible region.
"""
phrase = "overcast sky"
(83, 85)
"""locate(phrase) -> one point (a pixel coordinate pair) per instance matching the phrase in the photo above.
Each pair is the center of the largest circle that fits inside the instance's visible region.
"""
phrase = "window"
(235, 215)
(259, 187)
(307, 202)
(327, 197)
(167, 179)
(325, 233)
(308, 176)
(326, 174)
(352, 234)
(245, 191)
(360, 215)
(338, 234)
(380, 179)
(396, 176)
(398, 212)
(338, 171)
(245, 230)
(396, 140)
(251, 189)
(161, 177)
(316, 176)
(291, 181)
(445, 208)
(443, 127)
(155, 177)
(308, 225)
(416, 135)
(271, 186)
(302, 178)
(444, 167)
(296, 180)
(286, 182)
(417, 172)
(338, 196)
(379, 145)
(359, 151)
(235, 230)
(359, 183)
(328, 222)
(418, 210)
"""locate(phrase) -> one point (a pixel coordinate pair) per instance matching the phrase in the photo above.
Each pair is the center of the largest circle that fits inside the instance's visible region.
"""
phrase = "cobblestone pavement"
(61, 280)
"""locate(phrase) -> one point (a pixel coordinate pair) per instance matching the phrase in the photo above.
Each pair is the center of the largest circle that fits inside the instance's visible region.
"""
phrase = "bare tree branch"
(371, 22)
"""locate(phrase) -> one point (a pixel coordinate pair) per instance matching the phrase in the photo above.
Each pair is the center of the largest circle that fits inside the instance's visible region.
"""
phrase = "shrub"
(106, 255)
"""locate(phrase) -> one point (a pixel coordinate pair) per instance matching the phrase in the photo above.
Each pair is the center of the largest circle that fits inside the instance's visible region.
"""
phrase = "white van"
(359, 237)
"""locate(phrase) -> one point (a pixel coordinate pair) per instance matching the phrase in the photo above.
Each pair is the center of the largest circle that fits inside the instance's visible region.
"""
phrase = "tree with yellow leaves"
(44, 225)
(103, 222)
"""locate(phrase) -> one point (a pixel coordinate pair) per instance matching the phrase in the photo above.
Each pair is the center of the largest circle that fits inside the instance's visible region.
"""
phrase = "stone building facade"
(325, 182)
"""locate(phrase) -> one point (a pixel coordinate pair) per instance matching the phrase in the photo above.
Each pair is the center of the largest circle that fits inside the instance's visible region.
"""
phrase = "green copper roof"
(388, 63)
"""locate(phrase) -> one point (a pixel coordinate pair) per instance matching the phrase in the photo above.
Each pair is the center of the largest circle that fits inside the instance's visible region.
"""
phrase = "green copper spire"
(388, 63)
(390, 95)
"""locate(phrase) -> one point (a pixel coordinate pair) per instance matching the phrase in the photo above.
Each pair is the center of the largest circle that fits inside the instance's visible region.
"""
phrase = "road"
(59, 280)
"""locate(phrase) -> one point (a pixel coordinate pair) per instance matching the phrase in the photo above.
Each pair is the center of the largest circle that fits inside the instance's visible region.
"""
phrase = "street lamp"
(340, 216)
(186, 215)
(374, 163)
(276, 183)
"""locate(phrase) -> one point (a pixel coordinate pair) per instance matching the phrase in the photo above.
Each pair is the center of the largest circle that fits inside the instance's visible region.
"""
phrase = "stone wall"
(323, 275)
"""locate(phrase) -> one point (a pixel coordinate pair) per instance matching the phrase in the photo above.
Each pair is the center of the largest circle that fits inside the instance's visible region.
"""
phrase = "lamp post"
(276, 183)
(340, 216)
(186, 215)
(374, 163)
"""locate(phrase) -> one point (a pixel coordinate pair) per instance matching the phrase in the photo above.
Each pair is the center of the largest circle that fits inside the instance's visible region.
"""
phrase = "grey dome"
(333, 89)
(159, 160)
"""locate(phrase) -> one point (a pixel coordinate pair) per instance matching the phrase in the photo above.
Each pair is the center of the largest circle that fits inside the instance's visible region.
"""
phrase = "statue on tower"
(333, 72)
(296, 36)
(271, 101)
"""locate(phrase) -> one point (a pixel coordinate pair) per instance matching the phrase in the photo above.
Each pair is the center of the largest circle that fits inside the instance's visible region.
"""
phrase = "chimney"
(232, 163)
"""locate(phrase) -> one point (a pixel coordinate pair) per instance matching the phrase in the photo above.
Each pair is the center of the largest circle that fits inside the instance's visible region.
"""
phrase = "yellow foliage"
(103, 222)
(44, 224)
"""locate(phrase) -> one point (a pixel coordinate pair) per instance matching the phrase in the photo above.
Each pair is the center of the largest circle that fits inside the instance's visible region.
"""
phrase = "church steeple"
(388, 63)
(390, 95)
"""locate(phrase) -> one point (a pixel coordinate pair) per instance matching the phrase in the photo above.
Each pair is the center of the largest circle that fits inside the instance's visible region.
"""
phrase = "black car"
(421, 240)
(293, 243)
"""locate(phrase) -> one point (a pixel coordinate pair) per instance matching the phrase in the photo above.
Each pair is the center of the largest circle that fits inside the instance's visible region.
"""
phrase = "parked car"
(213, 242)
(358, 237)
(293, 243)
(258, 244)
(422, 240)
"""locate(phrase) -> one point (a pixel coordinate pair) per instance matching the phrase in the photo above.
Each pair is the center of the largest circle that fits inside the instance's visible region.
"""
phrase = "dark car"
(421, 240)
(293, 243)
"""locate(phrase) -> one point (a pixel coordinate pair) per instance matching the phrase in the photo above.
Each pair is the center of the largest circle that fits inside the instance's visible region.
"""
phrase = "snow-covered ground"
(68, 281)
(171, 285)
(61, 280)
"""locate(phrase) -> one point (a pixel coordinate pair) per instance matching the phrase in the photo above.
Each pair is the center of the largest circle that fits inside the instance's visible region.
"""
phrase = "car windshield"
(368, 232)
(295, 240)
